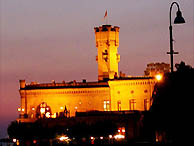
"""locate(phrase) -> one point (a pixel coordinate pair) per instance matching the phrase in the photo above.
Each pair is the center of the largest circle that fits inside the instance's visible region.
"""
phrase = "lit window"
(106, 105)
(132, 104)
(146, 104)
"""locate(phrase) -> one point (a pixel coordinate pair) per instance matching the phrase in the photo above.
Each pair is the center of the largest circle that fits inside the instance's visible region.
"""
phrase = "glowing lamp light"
(33, 108)
(22, 109)
(19, 109)
(42, 110)
(91, 137)
(110, 136)
(157, 140)
(101, 137)
(158, 77)
(63, 138)
(119, 136)
(17, 142)
(34, 141)
(61, 108)
(14, 140)
(48, 115)
(54, 115)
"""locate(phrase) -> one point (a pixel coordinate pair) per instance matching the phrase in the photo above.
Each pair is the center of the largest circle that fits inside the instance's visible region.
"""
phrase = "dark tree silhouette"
(172, 108)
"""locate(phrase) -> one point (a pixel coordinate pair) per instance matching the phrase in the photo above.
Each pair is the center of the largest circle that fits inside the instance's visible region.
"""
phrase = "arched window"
(43, 111)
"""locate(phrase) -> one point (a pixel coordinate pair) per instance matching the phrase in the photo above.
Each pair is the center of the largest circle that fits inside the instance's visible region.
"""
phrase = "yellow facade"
(131, 94)
(73, 97)
(114, 95)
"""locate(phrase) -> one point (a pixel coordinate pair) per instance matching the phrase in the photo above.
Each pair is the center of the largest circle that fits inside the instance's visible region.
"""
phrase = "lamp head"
(159, 77)
(179, 18)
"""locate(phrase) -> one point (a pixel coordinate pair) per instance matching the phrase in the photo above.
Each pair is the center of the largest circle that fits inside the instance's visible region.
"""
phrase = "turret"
(22, 84)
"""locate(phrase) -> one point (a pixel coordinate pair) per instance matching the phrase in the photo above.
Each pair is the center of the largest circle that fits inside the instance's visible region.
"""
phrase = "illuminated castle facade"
(110, 93)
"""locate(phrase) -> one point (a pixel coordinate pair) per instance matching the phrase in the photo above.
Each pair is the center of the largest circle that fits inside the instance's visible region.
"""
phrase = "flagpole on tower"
(106, 17)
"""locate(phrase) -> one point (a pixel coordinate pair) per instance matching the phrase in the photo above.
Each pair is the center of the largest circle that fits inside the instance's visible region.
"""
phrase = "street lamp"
(158, 77)
(178, 20)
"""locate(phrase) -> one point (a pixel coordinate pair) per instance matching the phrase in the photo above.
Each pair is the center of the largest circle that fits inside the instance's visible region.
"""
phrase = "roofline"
(72, 85)
(79, 85)
(131, 78)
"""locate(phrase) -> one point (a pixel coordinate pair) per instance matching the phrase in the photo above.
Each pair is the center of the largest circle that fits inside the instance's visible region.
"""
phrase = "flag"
(105, 15)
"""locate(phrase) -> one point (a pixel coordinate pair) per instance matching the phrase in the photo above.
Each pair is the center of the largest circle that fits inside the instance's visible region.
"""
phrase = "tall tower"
(107, 42)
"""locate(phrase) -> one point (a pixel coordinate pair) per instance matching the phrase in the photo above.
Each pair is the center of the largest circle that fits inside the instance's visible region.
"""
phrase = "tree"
(171, 111)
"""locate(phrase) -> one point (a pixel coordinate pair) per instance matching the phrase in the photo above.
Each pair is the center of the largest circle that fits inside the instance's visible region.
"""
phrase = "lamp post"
(178, 20)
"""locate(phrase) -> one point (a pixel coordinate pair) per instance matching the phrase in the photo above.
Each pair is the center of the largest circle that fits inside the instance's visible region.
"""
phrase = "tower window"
(105, 55)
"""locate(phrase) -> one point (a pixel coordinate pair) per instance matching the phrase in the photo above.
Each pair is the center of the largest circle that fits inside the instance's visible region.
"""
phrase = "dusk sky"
(49, 40)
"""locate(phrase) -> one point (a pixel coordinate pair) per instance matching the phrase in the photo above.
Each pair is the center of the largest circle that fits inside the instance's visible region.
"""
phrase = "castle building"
(110, 93)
